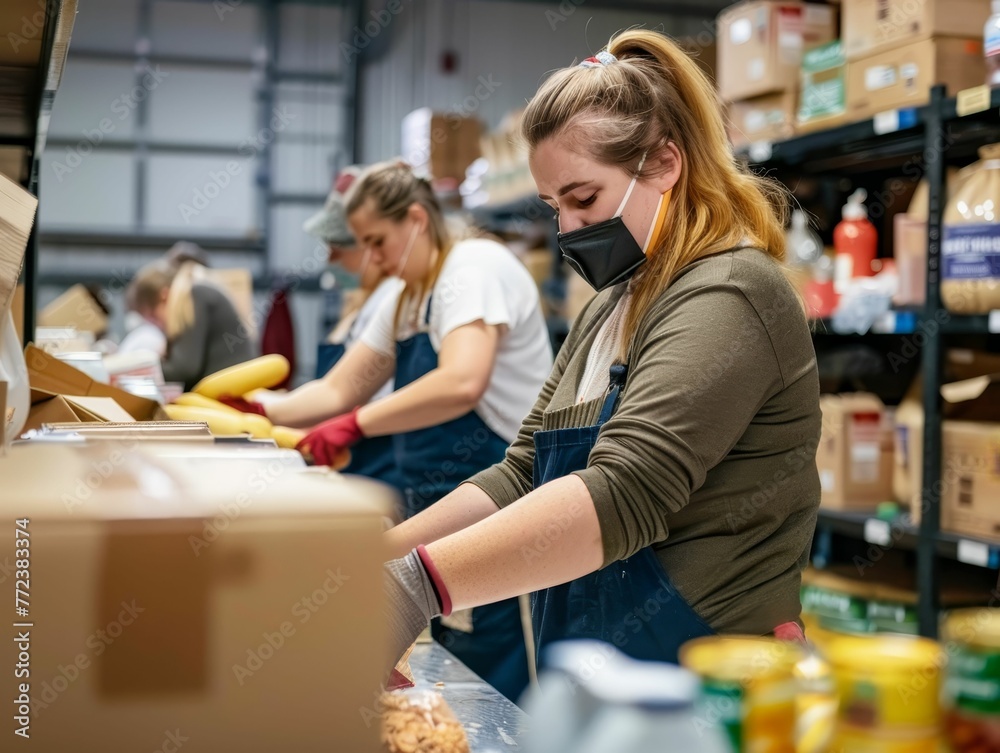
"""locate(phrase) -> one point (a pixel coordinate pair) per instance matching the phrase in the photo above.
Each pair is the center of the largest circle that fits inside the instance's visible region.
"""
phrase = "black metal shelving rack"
(935, 135)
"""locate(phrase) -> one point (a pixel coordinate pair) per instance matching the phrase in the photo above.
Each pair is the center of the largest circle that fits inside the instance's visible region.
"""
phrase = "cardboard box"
(970, 470)
(823, 90)
(47, 373)
(871, 26)
(960, 366)
(49, 408)
(200, 601)
(24, 20)
(760, 45)
(909, 249)
(770, 117)
(855, 452)
(75, 308)
(440, 145)
(903, 76)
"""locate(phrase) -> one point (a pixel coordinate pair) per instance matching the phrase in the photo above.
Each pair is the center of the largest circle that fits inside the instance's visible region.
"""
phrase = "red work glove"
(242, 405)
(327, 442)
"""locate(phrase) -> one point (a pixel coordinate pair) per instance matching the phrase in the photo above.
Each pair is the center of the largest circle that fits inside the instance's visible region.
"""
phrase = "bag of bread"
(420, 721)
(970, 243)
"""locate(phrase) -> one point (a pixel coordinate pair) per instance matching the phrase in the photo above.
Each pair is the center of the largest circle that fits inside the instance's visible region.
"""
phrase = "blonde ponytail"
(180, 302)
(654, 94)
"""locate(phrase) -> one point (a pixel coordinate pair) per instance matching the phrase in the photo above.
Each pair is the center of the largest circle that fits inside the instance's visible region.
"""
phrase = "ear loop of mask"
(628, 193)
(409, 249)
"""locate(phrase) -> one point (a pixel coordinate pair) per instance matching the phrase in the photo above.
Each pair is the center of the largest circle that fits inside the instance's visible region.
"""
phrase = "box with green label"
(823, 97)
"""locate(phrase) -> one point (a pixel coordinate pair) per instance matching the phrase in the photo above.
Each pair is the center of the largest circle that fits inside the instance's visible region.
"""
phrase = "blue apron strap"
(619, 372)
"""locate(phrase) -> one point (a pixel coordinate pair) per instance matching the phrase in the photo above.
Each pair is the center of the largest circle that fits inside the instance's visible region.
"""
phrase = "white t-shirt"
(483, 280)
(388, 288)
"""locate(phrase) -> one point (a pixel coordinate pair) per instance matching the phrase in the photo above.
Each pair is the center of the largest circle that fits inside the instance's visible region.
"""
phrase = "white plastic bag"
(13, 371)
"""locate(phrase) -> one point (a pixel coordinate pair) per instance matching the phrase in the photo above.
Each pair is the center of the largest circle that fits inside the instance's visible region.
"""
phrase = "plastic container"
(889, 693)
(972, 689)
(970, 242)
(750, 685)
(803, 246)
(594, 699)
(855, 242)
(991, 45)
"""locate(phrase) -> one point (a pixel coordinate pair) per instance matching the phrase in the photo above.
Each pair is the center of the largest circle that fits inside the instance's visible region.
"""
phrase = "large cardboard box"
(855, 452)
(870, 26)
(903, 76)
(823, 90)
(75, 308)
(769, 117)
(440, 145)
(970, 471)
(50, 408)
(760, 45)
(236, 605)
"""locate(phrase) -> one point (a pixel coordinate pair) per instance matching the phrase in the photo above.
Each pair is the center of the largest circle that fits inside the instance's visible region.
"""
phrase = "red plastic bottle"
(855, 242)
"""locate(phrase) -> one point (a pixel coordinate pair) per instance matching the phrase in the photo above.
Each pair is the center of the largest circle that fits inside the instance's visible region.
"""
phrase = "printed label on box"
(864, 462)
(879, 77)
(755, 69)
(908, 73)
(971, 252)
(826, 481)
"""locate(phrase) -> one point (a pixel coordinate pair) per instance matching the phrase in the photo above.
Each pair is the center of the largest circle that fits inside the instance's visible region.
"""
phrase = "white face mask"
(406, 252)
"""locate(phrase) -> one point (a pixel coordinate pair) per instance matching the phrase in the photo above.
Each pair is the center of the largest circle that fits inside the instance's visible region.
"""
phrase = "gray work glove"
(410, 602)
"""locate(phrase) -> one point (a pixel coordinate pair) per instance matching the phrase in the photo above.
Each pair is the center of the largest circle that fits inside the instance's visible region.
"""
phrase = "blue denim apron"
(373, 457)
(432, 463)
(631, 603)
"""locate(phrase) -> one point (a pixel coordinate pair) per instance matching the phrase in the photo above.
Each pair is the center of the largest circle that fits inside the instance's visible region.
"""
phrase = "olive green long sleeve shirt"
(710, 456)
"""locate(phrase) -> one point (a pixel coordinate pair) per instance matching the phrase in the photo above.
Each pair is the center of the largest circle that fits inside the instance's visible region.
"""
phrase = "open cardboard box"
(48, 374)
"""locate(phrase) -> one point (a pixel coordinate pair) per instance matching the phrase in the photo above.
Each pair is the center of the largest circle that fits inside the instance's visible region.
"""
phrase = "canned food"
(972, 685)
(748, 687)
(815, 704)
(888, 688)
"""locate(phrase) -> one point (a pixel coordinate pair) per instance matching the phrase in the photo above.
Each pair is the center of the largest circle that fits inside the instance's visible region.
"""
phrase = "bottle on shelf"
(802, 244)
(855, 242)
(991, 45)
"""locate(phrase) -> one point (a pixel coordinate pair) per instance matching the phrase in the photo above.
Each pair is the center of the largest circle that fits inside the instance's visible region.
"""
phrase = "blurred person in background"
(366, 288)
(465, 341)
(202, 328)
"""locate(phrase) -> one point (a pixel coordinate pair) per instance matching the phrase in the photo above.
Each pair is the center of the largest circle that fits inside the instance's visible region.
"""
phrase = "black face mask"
(604, 254)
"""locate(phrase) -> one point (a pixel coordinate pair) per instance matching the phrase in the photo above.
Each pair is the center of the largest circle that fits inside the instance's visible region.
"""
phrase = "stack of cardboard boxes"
(870, 453)
(784, 69)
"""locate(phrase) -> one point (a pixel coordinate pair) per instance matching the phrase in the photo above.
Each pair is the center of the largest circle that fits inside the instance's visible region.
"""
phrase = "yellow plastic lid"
(881, 654)
(740, 658)
(978, 627)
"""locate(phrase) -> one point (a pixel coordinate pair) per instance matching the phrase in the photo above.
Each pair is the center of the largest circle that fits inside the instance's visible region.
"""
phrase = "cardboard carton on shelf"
(76, 308)
(704, 52)
(769, 117)
(970, 471)
(760, 45)
(823, 90)
(440, 145)
(173, 596)
(871, 26)
(854, 457)
(968, 393)
(903, 76)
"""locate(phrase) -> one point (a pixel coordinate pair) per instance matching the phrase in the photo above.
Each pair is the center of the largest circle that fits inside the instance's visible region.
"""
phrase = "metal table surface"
(493, 724)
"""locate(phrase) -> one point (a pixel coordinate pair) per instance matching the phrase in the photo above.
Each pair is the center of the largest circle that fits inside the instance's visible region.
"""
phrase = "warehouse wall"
(511, 45)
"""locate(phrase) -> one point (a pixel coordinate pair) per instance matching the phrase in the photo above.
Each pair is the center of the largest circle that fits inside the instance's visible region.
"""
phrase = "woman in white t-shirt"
(467, 345)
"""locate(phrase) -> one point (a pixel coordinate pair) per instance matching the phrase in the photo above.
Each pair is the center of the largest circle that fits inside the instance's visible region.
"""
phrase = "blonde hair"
(655, 94)
(145, 289)
(393, 188)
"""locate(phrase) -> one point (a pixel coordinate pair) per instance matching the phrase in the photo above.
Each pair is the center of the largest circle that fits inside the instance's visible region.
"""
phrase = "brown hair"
(144, 291)
(393, 188)
(654, 94)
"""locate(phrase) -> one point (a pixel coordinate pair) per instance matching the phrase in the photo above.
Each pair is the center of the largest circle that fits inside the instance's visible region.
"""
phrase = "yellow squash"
(195, 400)
(219, 422)
(266, 371)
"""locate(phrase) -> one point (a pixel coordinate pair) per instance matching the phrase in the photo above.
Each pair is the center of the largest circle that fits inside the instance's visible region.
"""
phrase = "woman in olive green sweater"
(664, 485)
